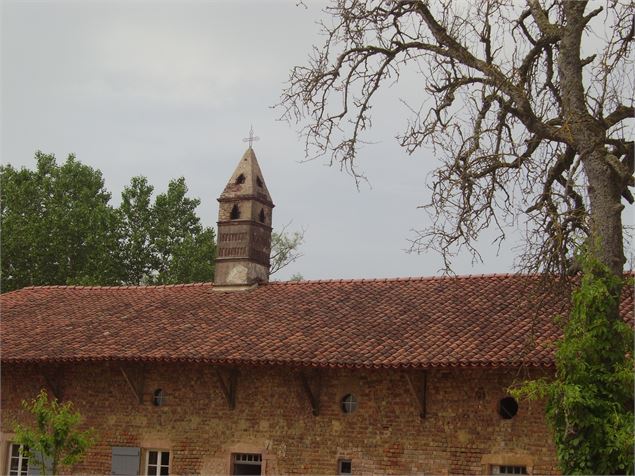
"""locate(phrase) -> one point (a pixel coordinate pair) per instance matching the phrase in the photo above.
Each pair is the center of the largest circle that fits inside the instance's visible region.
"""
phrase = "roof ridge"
(109, 287)
(406, 278)
(630, 272)
(303, 281)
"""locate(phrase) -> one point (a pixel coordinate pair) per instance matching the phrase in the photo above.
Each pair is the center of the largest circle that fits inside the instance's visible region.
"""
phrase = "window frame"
(158, 397)
(508, 413)
(490, 461)
(523, 467)
(234, 454)
(159, 452)
(339, 466)
(21, 458)
(348, 405)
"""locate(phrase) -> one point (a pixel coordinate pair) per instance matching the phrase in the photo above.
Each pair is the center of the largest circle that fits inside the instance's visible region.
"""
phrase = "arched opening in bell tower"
(235, 213)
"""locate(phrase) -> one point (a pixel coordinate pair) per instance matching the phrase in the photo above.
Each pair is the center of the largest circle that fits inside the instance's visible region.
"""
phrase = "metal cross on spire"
(251, 137)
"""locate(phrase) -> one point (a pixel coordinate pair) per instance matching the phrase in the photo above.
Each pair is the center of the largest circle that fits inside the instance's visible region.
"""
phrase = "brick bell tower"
(244, 227)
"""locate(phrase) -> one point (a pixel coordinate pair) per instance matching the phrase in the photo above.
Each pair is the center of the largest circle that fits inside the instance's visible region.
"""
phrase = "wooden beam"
(53, 377)
(223, 387)
(228, 388)
(233, 380)
(135, 382)
(314, 397)
(419, 390)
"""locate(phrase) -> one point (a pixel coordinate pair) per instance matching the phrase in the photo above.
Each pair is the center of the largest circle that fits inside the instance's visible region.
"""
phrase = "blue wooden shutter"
(125, 460)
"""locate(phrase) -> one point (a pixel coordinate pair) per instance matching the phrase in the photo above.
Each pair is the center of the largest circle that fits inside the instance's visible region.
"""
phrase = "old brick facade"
(461, 433)
(254, 372)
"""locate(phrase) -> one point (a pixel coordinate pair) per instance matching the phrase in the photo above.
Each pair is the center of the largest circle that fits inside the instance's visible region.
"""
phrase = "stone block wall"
(462, 432)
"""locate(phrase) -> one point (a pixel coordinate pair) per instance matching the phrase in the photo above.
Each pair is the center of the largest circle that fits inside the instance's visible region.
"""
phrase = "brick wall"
(461, 434)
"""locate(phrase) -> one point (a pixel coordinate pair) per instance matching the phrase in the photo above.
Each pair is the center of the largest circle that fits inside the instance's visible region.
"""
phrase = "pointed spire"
(247, 180)
(244, 228)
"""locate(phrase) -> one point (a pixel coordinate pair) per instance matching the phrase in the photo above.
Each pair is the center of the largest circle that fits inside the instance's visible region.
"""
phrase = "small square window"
(344, 466)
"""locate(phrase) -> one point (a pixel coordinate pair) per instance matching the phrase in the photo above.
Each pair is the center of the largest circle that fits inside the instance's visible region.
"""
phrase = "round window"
(349, 403)
(158, 398)
(507, 408)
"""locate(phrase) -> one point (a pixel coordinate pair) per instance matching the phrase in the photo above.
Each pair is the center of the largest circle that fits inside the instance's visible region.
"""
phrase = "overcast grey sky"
(169, 89)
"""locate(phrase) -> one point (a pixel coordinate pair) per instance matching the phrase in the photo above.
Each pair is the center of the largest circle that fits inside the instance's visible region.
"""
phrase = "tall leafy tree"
(192, 259)
(184, 250)
(137, 222)
(57, 225)
(163, 240)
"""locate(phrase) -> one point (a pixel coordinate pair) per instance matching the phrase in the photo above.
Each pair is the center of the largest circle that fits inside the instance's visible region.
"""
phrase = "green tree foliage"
(590, 401)
(192, 259)
(57, 225)
(55, 440)
(164, 241)
(175, 235)
(137, 221)
(178, 236)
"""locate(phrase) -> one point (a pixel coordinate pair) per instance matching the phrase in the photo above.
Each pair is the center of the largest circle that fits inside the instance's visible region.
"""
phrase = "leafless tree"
(529, 113)
(285, 248)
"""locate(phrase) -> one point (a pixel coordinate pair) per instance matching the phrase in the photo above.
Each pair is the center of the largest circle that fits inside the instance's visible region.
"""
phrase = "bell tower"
(244, 227)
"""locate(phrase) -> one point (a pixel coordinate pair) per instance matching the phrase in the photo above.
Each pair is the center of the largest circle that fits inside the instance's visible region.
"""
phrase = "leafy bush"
(55, 440)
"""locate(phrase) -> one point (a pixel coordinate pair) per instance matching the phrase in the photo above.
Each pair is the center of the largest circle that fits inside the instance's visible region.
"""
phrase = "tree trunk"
(587, 137)
(606, 242)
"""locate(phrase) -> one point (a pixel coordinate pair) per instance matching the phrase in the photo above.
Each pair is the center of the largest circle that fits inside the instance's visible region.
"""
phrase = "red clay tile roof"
(495, 320)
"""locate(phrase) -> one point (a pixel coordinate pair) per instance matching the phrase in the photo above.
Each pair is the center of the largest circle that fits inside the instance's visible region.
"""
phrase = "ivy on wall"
(590, 401)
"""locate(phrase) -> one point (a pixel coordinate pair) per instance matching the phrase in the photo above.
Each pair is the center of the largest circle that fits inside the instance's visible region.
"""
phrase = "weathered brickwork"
(462, 432)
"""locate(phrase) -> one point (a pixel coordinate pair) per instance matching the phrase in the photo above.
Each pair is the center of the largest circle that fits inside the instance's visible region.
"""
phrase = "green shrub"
(55, 440)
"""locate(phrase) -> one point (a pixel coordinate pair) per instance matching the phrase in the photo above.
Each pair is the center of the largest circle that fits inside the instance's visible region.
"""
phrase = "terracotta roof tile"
(489, 320)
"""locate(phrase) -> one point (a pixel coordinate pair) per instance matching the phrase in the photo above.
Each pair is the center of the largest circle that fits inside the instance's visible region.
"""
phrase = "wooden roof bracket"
(228, 388)
(53, 376)
(312, 394)
(418, 384)
(135, 378)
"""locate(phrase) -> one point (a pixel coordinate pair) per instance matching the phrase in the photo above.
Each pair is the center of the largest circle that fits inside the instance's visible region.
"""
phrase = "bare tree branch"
(620, 113)
(516, 116)
(285, 248)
